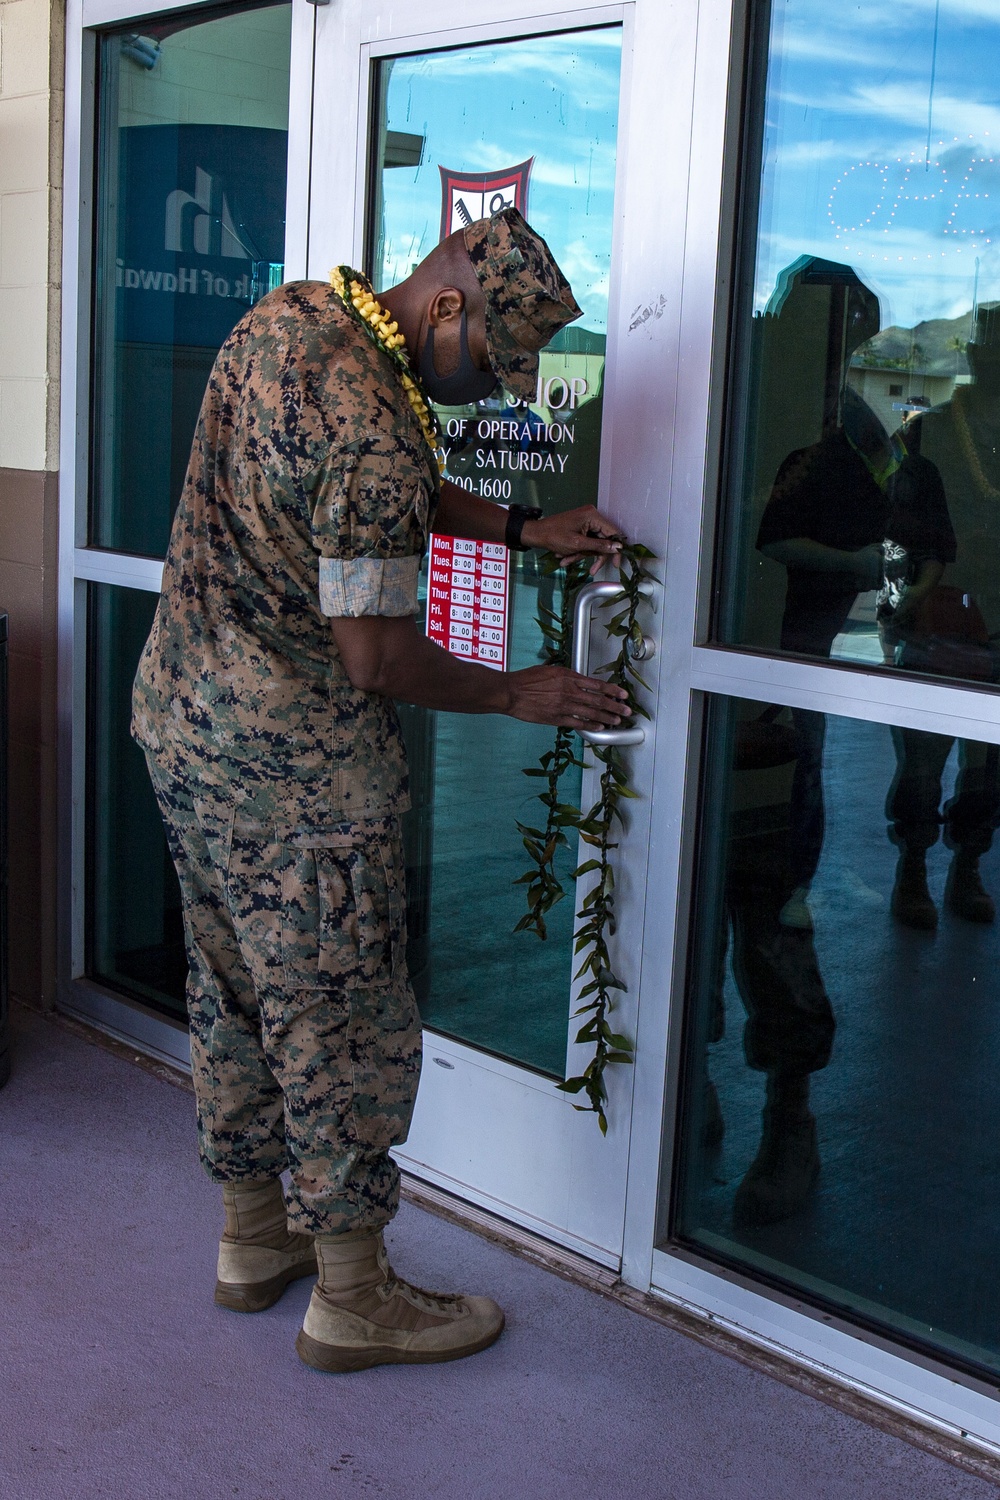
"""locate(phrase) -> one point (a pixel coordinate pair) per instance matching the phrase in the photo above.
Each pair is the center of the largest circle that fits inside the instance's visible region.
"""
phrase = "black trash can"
(4, 1002)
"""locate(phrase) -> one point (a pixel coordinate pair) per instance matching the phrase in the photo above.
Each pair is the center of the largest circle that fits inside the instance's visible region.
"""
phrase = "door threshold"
(526, 1243)
(138, 1053)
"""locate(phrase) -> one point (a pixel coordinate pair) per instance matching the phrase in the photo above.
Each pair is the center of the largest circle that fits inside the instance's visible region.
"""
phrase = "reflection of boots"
(784, 1171)
(911, 900)
(713, 1125)
(965, 893)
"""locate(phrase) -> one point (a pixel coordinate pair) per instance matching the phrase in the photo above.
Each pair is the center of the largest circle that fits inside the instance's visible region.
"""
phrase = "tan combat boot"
(362, 1315)
(258, 1255)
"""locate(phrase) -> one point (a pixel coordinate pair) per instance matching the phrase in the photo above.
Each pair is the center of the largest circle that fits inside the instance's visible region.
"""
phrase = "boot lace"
(429, 1302)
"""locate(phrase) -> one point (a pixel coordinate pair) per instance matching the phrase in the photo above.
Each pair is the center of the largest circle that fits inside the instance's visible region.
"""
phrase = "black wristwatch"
(516, 517)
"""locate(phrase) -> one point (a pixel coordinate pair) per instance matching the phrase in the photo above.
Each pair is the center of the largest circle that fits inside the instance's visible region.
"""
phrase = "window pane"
(135, 936)
(193, 134)
(459, 133)
(841, 1076)
(863, 491)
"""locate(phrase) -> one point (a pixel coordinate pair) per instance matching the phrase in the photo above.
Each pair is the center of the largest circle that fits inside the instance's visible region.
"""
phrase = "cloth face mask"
(462, 386)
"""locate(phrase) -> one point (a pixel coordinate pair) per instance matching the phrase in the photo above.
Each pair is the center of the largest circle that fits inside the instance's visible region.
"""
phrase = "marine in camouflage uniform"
(308, 500)
(309, 492)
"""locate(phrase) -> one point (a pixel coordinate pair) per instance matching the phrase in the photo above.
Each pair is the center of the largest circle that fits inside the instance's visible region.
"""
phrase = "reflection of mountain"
(903, 368)
(934, 347)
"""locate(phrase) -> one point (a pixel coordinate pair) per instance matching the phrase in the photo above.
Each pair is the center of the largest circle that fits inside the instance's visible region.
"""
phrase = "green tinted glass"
(844, 1021)
(863, 490)
(193, 134)
(135, 935)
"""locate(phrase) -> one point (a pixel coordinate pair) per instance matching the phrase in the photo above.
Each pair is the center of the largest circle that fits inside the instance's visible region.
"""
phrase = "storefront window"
(844, 1022)
(862, 515)
(191, 151)
(192, 145)
(459, 134)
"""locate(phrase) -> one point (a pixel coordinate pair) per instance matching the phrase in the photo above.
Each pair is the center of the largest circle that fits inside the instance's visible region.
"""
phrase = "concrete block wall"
(31, 72)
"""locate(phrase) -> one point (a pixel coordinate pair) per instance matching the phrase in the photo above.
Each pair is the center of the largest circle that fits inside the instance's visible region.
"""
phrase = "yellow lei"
(357, 294)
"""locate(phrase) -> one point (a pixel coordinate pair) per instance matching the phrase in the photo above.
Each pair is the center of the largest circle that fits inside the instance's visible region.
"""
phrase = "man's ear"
(445, 306)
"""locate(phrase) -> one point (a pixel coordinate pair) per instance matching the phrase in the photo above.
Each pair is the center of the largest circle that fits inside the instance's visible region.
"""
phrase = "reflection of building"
(910, 368)
(570, 371)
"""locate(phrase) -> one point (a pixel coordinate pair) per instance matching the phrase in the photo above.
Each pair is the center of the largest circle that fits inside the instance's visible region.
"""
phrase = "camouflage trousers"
(305, 1038)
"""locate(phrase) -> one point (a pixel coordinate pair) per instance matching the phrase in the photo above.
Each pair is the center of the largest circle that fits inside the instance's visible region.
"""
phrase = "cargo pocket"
(377, 877)
(341, 917)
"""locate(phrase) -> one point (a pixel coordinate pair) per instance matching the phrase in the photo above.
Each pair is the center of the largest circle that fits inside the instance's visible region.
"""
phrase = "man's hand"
(554, 695)
(867, 565)
(573, 534)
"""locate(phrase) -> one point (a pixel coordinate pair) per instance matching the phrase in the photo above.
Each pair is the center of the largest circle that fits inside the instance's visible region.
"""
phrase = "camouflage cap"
(528, 299)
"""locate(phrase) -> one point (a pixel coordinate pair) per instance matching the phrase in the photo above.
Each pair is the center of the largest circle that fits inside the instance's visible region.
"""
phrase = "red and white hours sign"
(468, 599)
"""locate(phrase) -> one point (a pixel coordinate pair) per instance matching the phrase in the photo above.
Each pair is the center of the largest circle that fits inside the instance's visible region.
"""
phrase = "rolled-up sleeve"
(352, 586)
(370, 515)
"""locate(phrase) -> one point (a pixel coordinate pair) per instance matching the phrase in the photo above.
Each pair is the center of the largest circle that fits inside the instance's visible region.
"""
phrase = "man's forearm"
(388, 655)
(432, 678)
(392, 657)
(802, 552)
(461, 513)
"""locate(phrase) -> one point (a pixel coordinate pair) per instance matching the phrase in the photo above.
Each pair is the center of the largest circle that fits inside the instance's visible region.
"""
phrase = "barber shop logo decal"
(468, 196)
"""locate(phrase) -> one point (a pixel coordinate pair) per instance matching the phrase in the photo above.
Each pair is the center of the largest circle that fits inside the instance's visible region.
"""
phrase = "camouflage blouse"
(308, 494)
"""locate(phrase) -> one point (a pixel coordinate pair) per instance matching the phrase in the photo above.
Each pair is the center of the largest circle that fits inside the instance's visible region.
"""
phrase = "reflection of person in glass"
(959, 440)
(790, 1023)
(824, 522)
(832, 508)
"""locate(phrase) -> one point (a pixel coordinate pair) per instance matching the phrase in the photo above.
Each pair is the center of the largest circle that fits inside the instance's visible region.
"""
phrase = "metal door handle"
(591, 595)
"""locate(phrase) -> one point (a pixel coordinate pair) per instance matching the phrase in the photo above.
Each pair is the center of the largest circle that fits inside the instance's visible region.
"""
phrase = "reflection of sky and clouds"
(882, 149)
(483, 108)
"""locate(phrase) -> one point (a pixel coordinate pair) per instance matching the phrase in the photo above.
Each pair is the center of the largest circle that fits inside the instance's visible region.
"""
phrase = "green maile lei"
(595, 828)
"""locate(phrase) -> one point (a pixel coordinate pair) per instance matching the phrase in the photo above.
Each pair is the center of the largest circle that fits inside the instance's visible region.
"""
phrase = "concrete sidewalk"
(122, 1380)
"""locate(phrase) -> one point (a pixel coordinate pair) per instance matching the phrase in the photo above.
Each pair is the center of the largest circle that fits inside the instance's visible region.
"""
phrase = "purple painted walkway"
(122, 1380)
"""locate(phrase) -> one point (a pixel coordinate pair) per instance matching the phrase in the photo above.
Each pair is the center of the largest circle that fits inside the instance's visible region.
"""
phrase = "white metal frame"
(78, 563)
(672, 395)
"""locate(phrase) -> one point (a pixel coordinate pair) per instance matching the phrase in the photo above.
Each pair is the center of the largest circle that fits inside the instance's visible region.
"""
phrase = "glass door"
(527, 107)
(831, 1179)
(187, 121)
(478, 979)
